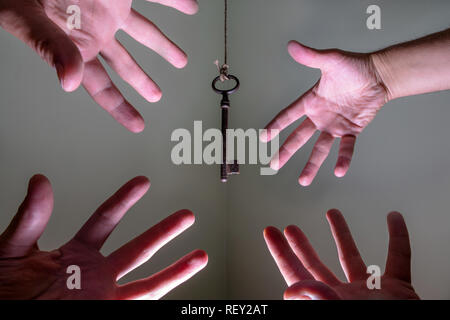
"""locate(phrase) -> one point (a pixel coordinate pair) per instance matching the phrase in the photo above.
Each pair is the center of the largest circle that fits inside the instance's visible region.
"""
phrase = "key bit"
(233, 168)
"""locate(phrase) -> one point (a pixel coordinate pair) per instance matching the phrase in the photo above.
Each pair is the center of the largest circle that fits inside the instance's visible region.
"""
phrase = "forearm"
(415, 67)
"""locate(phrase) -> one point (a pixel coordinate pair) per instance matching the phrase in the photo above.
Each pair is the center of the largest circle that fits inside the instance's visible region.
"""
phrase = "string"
(223, 70)
(226, 32)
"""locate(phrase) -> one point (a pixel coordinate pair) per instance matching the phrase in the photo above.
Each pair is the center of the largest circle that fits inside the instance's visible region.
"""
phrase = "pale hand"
(340, 105)
(308, 278)
(42, 24)
(29, 273)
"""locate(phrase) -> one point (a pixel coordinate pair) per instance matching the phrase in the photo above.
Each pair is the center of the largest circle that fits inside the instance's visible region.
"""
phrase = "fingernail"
(304, 181)
(275, 163)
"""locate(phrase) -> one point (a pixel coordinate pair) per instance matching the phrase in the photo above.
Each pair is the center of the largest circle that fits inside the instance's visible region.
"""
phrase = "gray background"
(401, 160)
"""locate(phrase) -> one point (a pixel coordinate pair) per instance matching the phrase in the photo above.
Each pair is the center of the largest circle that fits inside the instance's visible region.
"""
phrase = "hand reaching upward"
(352, 89)
(308, 278)
(29, 273)
(340, 105)
(42, 24)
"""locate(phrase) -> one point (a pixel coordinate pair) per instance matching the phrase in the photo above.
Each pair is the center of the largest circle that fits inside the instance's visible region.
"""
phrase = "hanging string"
(225, 32)
(223, 70)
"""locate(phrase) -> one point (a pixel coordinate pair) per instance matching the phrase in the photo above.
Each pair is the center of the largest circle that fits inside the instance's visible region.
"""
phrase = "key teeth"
(233, 168)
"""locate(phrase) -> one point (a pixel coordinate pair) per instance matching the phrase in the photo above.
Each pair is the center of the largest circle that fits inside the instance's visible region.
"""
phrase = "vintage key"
(226, 169)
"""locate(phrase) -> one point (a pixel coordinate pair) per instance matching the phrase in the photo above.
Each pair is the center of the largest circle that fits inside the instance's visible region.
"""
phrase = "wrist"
(384, 73)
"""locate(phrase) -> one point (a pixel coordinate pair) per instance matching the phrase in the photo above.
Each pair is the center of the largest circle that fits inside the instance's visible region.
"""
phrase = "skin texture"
(340, 105)
(352, 89)
(29, 273)
(309, 279)
(42, 25)
(415, 67)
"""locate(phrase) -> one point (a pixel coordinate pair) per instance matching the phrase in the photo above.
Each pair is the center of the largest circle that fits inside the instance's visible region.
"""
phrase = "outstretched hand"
(42, 24)
(29, 273)
(308, 278)
(340, 105)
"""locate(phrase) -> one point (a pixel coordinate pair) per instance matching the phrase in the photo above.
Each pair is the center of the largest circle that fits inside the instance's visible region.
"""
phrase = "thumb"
(30, 221)
(53, 45)
(310, 57)
(310, 290)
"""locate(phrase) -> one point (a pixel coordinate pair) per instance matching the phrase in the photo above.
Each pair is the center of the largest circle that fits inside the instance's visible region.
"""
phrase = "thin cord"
(223, 70)
(226, 32)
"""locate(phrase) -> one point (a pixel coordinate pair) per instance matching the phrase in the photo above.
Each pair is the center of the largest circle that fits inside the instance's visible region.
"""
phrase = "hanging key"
(226, 169)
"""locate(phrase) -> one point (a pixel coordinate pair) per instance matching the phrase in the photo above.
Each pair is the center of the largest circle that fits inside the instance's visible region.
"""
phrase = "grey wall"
(401, 159)
(87, 156)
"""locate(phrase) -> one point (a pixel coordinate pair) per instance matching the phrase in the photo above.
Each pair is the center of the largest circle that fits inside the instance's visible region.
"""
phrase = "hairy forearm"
(415, 67)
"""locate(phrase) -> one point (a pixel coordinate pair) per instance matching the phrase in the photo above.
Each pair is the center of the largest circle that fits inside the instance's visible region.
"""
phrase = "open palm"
(308, 278)
(340, 105)
(29, 273)
(42, 24)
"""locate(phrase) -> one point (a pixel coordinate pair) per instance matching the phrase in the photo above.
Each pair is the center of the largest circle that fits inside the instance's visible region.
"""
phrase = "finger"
(319, 154)
(398, 263)
(295, 141)
(285, 118)
(127, 68)
(351, 261)
(313, 58)
(48, 40)
(30, 221)
(100, 87)
(139, 250)
(145, 32)
(346, 149)
(290, 267)
(158, 285)
(104, 220)
(185, 6)
(310, 290)
(308, 256)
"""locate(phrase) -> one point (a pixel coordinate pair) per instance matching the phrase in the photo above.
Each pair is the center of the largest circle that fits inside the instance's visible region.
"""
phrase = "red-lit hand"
(29, 273)
(308, 278)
